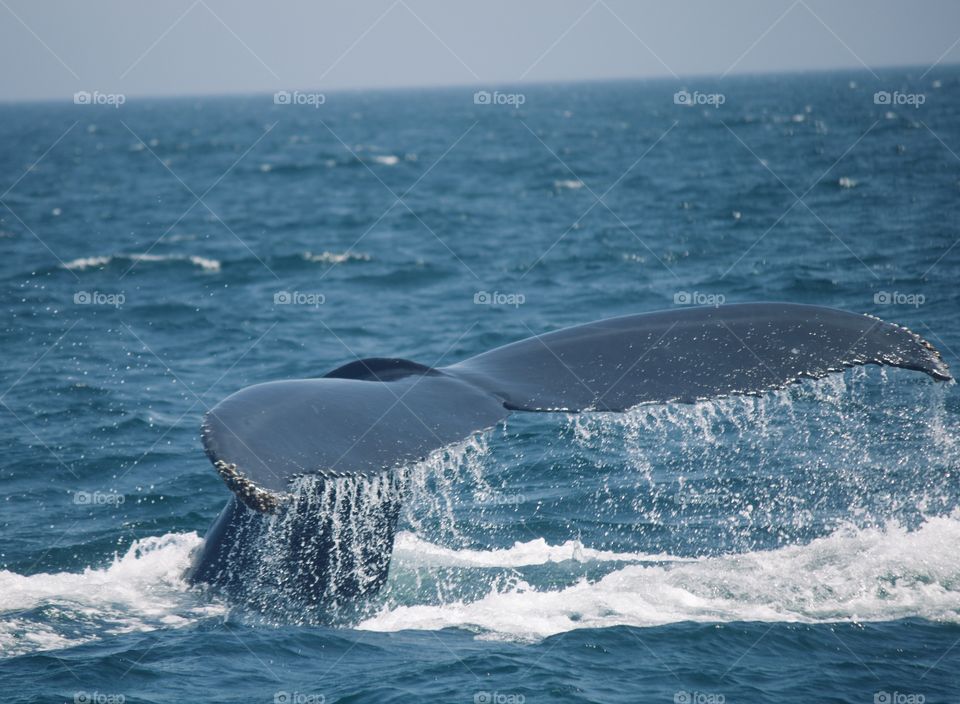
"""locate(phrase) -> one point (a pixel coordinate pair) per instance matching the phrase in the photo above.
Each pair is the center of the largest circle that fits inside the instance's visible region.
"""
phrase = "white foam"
(205, 263)
(88, 262)
(853, 575)
(534, 552)
(336, 257)
(139, 591)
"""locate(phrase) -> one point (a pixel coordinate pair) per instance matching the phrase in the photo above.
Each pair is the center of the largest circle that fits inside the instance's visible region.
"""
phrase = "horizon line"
(658, 78)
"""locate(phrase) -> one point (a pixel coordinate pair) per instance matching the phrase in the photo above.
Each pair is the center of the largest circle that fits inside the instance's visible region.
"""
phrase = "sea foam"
(852, 575)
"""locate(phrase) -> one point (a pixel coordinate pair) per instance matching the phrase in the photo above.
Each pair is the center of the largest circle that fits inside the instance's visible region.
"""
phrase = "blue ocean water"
(797, 547)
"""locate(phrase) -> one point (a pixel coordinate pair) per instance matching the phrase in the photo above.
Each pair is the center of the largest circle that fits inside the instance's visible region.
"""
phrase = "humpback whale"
(315, 465)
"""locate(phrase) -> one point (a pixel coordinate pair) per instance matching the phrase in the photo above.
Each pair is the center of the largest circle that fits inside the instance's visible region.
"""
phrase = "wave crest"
(82, 263)
(852, 575)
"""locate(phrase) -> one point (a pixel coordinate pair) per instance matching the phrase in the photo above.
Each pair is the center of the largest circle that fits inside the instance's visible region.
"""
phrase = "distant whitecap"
(81, 263)
(336, 257)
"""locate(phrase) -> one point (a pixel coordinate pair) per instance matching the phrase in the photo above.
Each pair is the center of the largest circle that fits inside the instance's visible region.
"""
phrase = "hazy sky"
(51, 48)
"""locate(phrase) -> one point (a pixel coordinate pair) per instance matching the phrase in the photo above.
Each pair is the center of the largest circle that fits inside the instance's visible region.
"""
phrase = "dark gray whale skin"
(374, 416)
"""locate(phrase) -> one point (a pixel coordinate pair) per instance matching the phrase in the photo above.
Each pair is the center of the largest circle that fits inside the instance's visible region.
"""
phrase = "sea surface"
(799, 547)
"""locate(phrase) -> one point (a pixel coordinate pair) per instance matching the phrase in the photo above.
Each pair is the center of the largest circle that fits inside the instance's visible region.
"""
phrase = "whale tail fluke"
(372, 416)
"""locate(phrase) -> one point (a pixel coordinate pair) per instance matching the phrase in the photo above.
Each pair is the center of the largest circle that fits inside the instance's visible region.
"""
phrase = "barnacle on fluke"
(249, 493)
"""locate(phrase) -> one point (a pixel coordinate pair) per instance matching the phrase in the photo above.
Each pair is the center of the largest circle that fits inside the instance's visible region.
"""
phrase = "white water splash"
(141, 590)
(852, 575)
(877, 450)
(442, 577)
(414, 550)
(433, 488)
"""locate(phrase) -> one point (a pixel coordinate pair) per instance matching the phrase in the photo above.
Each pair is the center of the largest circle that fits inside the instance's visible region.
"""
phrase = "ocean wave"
(336, 257)
(87, 263)
(853, 575)
(81, 263)
(521, 554)
(141, 590)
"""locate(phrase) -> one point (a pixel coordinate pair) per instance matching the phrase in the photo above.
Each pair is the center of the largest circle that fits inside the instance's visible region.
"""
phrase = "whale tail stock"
(289, 449)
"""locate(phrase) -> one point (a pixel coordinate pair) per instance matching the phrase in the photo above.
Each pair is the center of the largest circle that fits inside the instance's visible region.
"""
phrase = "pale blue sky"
(51, 48)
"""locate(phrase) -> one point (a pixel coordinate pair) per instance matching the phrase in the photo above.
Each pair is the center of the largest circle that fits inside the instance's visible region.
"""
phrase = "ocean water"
(798, 547)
